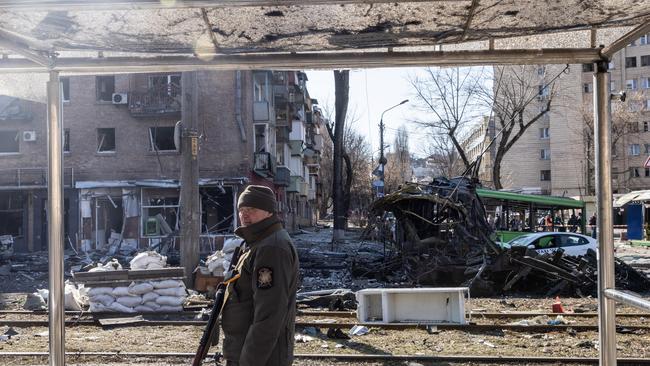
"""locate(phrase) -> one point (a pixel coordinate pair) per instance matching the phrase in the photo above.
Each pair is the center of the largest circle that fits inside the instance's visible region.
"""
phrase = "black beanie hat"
(258, 197)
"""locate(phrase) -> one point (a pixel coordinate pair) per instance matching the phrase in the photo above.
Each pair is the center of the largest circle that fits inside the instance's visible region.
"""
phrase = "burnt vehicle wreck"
(442, 238)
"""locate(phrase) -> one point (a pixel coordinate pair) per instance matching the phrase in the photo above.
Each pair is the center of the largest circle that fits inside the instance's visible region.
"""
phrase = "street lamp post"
(382, 158)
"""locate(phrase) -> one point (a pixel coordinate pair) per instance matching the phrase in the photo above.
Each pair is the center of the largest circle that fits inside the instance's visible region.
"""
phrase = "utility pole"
(189, 201)
(382, 158)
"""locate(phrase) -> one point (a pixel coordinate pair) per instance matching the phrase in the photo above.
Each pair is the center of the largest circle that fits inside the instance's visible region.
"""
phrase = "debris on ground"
(336, 299)
(444, 240)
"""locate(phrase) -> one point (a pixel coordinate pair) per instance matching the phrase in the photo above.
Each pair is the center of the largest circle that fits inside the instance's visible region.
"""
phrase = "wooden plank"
(101, 276)
(122, 321)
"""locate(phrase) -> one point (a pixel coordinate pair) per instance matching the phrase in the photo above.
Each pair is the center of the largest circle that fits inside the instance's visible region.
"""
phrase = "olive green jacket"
(260, 310)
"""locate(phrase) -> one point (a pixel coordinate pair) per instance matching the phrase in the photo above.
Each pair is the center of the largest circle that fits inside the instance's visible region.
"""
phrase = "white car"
(573, 244)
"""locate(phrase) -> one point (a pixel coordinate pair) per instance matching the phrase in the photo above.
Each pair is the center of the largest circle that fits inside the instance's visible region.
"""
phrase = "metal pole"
(382, 158)
(55, 220)
(603, 152)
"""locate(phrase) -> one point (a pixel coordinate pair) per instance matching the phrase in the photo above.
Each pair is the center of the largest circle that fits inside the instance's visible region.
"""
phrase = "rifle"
(206, 339)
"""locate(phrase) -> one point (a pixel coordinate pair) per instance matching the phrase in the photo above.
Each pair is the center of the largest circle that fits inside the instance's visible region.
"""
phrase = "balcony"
(31, 178)
(318, 142)
(261, 111)
(295, 185)
(282, 176)
(164, 101)
(304, 189)
(263, 165)
(296, 147)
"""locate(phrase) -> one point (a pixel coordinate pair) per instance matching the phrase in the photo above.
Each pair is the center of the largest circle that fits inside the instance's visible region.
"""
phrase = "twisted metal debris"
(443, 239)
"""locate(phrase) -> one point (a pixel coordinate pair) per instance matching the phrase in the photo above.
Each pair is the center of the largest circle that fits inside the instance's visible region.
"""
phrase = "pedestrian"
(260, 309)
(592, 224)
(573, 223)
(549, 223)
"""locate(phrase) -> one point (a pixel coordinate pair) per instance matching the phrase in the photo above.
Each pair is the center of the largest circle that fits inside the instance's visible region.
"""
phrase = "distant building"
(555, 156)
(478, 143)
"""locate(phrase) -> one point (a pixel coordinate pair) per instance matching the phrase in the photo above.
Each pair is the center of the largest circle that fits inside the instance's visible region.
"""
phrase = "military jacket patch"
(264, 278)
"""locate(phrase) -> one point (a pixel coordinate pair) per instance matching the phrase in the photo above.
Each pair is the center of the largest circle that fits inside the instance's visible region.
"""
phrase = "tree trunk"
(341, 95)
(348, 186)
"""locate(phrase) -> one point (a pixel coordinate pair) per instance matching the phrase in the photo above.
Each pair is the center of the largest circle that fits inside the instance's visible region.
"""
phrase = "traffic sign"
(647, 163)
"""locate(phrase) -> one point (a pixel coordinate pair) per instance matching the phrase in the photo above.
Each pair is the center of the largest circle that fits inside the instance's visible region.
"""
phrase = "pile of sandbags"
(219, 262)
(162, 296)
(148, 260)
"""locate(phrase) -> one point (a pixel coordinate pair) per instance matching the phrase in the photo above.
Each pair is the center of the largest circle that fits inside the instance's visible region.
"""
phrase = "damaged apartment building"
(122, 159)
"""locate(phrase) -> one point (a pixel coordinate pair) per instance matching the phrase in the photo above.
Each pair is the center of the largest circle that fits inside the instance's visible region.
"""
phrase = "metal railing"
(264, 163)
(156, 102)
(31, 177)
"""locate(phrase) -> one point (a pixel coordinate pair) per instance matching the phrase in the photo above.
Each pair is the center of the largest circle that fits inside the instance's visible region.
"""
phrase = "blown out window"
(161, 139)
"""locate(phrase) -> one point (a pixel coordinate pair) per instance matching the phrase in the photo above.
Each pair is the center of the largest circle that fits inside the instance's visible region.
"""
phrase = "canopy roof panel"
(91, 36)
(226, 27)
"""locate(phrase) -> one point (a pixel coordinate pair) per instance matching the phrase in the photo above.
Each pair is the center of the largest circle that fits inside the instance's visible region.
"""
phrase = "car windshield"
(520, 240)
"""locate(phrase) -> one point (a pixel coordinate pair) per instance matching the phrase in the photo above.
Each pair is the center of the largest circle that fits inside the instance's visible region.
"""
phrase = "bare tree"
(341, 95)
(398, 166)
(443, 156)
(356, 155)
(456, 96)
(625, 118)
(451, 95)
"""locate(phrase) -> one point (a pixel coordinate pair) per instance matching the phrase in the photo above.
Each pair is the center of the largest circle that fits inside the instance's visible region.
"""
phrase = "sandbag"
(140, 288)
(143, 309)
(173, 291)
(148, 260)
(130, 301)
(116, 306)
(103, 299)
(170, 309)
(167, 284)
(170, 301)
(96, 307)
(72, 299)
(120, 291)
(149, 296)
(100, 291)
(152, 304)
(34, 302)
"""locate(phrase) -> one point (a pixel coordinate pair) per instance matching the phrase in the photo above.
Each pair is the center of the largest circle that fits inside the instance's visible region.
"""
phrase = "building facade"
(555, 155)
(122, 158)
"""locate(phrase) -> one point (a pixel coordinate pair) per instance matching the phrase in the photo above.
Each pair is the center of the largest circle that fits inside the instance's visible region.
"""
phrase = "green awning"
(540, 201)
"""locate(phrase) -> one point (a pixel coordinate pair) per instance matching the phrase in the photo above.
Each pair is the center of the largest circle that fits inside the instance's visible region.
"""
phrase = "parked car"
(573, 244)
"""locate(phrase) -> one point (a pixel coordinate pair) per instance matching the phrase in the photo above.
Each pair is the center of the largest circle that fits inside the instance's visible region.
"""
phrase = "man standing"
(260, 308)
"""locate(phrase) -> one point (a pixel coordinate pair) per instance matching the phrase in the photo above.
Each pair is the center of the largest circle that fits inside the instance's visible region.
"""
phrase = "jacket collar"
(259, 230)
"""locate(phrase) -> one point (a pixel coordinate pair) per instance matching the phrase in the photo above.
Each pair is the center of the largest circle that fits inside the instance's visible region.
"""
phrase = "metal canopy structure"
(102, 36)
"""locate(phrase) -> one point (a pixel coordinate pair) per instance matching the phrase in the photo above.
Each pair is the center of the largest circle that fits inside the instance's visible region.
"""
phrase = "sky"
(371, 92)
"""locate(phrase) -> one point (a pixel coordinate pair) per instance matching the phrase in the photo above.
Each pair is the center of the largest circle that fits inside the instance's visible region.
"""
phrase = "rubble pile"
(443, 239)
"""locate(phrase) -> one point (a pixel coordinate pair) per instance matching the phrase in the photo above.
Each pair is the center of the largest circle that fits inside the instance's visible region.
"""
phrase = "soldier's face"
(252, 215)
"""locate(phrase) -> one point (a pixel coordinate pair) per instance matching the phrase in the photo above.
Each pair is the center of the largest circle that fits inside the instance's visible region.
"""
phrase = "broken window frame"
(102, 141)
(13, 204)
(154, 145)
(158, 194)
(8, 136)
(261, 86)
(259, 146)
(103, 89)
